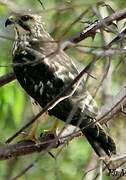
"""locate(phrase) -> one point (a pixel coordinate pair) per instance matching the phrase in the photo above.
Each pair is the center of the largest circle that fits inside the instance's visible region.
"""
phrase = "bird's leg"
(31, 135)
(36, 109)
(53, 130)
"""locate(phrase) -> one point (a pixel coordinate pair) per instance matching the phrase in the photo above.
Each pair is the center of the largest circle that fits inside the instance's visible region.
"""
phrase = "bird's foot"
(49, 132)
(32, 138)
(53, 130)
(49, 136)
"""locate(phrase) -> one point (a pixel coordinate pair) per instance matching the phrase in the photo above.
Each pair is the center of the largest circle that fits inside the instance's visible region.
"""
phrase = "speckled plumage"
(43, 81)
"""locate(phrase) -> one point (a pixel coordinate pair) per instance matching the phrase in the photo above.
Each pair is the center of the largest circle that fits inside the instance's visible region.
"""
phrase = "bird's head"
(24, 23)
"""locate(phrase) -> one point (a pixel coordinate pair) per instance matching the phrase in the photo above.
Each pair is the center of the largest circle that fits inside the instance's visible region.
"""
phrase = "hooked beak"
(11, 20)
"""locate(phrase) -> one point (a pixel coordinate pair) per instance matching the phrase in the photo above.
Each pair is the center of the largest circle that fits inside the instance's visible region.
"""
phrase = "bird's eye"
(25, 18)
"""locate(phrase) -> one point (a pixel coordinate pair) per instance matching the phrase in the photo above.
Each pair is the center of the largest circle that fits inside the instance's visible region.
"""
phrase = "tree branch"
(48, 142)
(116, 104)
(7, 78)
(91, 30)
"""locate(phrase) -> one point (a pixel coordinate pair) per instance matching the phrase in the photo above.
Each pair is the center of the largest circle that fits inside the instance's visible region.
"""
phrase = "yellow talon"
(53, 131)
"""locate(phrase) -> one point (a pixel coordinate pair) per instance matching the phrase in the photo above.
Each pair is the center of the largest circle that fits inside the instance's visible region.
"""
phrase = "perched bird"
(44, 74)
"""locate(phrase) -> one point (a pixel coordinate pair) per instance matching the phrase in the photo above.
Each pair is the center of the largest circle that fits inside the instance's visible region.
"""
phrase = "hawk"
(44, 74)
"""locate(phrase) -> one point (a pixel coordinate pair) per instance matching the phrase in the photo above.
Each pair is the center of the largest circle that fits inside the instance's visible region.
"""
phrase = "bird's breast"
(39, 82)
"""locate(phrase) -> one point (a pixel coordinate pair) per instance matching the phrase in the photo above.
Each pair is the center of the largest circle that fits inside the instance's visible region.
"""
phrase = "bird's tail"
(98, 139)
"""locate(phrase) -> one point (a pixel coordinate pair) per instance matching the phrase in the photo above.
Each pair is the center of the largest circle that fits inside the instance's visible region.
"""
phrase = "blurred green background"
(15, 106)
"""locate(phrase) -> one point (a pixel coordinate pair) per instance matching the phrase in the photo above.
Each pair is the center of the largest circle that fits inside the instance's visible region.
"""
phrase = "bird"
(44, 70)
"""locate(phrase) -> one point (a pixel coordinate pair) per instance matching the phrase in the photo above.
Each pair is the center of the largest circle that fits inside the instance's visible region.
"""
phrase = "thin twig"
(41, 4)
(74, 22)
(100, 169)
(115, 105)
(26, 169)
